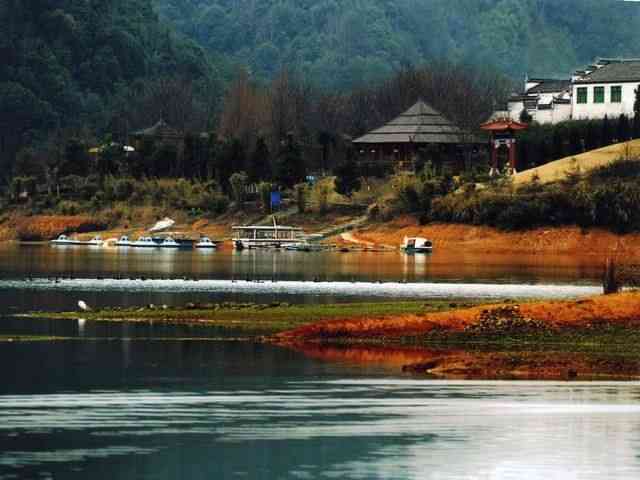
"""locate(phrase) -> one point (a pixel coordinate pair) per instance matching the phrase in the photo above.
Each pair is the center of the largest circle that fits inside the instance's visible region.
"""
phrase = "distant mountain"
(343, 42)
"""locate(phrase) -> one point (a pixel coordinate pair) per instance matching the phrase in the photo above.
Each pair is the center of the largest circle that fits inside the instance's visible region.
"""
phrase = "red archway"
(503, 134)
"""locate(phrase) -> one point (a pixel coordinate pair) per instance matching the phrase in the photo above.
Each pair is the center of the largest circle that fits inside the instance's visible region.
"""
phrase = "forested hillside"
(342, 43)
(91, 65)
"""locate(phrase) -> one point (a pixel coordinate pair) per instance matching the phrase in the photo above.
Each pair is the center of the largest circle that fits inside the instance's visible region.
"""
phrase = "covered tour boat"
(417, 245)
(260, 236)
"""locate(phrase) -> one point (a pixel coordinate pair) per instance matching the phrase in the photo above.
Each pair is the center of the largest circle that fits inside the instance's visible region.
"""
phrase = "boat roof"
(262, 227)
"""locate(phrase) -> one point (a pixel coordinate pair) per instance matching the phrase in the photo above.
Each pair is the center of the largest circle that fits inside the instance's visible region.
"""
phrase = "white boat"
(123, 241)
(417, 245)
(144, 242)
(95, 241)
(205, 242)
(169, 242)
(64, 240)
(260, 236)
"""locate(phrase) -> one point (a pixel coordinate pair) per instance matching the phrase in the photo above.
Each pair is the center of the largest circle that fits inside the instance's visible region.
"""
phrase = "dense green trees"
(348, 42)
(88, 66)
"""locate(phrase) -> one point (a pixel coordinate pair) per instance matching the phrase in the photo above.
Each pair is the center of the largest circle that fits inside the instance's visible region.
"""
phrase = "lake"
(54, 278)
(148, 401)
(139, 409)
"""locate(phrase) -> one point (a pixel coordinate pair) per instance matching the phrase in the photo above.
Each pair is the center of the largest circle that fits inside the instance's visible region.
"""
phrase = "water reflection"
(42, 260)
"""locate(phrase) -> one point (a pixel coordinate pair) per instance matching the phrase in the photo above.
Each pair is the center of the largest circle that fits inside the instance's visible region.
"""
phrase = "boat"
(169, 242)
(64, 240)
(123, 241)
(205, 242)
(260, 236)
(144, 242)
(95, 241)
(417, 245)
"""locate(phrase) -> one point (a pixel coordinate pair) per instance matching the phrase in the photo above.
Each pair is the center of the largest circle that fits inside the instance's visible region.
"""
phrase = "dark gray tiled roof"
(160, 129)
(420, 124)
(550, 86)
(624, 71)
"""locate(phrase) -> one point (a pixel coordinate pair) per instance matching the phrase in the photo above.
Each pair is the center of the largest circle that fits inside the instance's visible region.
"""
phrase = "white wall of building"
(591, 110)
(515, 109)
(559, 113)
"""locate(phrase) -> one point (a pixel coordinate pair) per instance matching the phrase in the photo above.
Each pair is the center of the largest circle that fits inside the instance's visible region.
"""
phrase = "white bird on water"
(83, 306)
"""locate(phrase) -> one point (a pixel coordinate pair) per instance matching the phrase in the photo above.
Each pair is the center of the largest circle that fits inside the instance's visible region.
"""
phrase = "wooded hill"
(93, 64)
(347, 42)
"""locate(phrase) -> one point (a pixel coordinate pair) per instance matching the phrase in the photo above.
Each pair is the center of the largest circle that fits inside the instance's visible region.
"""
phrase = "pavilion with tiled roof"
(396, 145)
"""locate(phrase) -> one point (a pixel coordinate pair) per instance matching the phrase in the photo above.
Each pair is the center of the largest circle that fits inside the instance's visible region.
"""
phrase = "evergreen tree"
(592, 136)
(623, 128)
(289, 168)
(347, 178)
(636, 115)
(605, 135)
(260, 162)
(557, 142)
(575, 141)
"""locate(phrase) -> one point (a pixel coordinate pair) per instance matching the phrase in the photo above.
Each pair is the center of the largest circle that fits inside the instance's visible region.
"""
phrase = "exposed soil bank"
(17, 226)
(584, 339)
(479, 239)
(620, 310)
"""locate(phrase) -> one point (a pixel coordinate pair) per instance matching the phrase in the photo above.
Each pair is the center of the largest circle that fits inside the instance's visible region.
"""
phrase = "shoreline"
(592, 338)
(372, 235)
(586, 339)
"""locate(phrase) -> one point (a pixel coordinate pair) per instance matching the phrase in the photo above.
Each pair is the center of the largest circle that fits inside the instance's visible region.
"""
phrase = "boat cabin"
(256, 235)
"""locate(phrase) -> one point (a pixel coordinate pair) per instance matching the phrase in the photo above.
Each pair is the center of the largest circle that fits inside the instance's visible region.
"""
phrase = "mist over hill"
(343, 43)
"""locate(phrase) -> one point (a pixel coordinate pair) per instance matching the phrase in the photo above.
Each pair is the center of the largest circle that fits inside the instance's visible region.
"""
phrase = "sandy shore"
(478, 239)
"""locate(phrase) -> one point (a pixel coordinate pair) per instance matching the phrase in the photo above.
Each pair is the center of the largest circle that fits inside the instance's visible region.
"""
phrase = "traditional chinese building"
(504, 153)
(160, 133)
(419, 134)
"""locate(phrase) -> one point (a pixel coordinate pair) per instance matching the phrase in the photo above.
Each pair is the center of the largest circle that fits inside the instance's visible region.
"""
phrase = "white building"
(608, 88)
(605, 88)
(545, 101)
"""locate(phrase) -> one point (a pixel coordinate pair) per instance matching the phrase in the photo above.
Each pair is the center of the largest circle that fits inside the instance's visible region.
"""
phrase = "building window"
(582, 94)
(598, 94)
(616, 94)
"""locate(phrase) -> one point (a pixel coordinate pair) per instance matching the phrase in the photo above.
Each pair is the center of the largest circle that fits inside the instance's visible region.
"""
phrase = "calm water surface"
(112, 276)
(161, 402)
(132, 408)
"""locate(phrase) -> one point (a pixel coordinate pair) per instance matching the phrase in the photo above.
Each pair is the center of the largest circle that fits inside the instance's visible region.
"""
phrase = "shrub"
(264, 192)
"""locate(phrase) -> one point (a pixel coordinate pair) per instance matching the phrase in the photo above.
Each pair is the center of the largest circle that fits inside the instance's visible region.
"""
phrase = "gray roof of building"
(420, 124)
(550, 86)
(160, 129)
(622, 71)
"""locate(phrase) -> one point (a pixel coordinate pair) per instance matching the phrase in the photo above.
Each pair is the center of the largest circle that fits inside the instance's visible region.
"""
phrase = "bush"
(264, 192)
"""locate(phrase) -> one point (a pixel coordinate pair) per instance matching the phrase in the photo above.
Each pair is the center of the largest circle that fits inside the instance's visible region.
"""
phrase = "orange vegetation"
(45, 227)
(478, 239)
(620, 309)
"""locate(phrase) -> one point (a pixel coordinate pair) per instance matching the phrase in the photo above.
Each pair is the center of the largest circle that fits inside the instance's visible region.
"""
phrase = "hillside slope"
(342, 43)
(583, 163)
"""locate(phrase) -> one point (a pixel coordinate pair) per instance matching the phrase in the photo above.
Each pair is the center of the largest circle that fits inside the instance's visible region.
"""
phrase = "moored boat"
(206, 242)
(95, 241)
(417, 245)
(123, 241)
(144, 242)
(169, 242)
(64, 240)
(260, 236)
